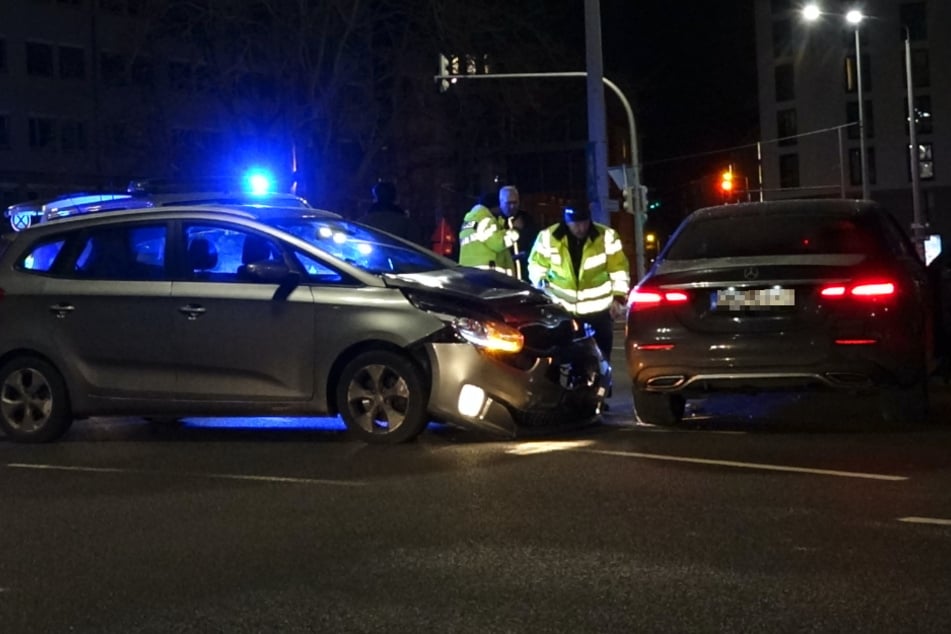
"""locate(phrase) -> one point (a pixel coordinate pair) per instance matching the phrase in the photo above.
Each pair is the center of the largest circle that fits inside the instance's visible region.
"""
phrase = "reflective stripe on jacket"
(605, 271)
(482, 241)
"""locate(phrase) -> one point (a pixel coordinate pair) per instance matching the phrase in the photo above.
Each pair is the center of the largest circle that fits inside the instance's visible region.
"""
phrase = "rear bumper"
(701, 368)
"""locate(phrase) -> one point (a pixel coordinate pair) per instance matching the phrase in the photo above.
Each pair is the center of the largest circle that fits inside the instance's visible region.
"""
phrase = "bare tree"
(344, 89)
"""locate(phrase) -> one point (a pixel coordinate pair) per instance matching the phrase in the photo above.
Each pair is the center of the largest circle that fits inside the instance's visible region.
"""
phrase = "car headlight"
(491, 335)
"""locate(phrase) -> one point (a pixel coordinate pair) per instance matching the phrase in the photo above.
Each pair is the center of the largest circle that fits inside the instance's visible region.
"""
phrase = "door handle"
(61, 310)
(192, 311)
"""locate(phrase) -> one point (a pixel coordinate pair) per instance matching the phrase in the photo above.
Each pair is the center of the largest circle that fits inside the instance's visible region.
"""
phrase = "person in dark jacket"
(521, 221)
(386, 215)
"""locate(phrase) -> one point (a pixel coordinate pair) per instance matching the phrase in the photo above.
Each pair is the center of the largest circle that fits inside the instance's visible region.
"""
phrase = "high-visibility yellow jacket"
(604, 275)
(485, 242)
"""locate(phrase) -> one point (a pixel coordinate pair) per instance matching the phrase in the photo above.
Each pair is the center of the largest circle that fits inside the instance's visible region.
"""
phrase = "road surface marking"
(213, 476)
(925, 520)
(747, 465)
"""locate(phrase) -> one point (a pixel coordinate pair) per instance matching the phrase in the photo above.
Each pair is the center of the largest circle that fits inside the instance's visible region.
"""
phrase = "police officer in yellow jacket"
(484, 240)
(582, 266)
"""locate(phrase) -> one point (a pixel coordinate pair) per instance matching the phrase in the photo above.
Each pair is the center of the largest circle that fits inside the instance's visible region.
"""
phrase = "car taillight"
(642, 298)
(868, 290)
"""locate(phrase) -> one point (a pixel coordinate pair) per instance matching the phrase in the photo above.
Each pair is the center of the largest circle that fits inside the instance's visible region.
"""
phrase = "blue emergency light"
(258, 182)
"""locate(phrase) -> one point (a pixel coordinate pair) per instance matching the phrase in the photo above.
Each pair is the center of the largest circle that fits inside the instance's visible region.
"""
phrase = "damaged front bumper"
(482, 390)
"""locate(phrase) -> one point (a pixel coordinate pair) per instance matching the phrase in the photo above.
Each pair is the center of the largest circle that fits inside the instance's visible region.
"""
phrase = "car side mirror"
(269, 272)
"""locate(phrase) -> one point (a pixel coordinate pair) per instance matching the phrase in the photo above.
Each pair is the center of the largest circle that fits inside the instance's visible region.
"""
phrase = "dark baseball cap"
(578, 212)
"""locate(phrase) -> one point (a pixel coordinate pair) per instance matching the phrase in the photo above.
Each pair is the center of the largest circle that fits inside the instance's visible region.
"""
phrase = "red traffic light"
(726, 182)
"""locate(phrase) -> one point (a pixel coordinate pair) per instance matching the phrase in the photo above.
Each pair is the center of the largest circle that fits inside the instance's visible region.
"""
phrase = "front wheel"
(656, 408)
(382, 397)
(33, 402)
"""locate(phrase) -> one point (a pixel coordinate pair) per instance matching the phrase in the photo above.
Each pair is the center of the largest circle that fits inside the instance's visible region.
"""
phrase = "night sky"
(693, 66)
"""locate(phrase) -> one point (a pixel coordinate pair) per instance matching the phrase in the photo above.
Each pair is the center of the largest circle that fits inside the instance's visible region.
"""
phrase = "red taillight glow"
(878, 289)
(864, 290)
(641, 298)
(655, 346)
(856, 342)
(833, 291)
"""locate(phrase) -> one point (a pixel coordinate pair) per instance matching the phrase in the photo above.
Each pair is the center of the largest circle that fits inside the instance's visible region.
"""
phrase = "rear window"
(770, 235)
(41, 257)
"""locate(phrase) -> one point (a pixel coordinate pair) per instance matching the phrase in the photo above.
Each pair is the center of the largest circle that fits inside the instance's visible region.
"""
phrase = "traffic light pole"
(633, 189)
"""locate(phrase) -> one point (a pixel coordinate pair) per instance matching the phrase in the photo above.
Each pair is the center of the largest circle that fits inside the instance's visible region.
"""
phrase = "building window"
(112, 69)
(3, 56)
(72, 136)
(41, 132)
(851, 75)
(4, 131)
(786, 126)
(72, 62)
(180, 76)
(39, 59)
(789, 171)
(920, 69)
(116, 7)
(925, 161)
(782, 38)
(852, 116)
(855, 166)
(143, 72)
(923, 123)
(914, 17)
(780, 7)
(204, 78)
(785, 82)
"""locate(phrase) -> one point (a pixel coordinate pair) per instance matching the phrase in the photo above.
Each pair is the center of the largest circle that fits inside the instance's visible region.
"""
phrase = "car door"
(109, 310)
(233, 340)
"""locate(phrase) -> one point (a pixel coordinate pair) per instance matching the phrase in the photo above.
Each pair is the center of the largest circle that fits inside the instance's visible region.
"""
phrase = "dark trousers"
(603, 331)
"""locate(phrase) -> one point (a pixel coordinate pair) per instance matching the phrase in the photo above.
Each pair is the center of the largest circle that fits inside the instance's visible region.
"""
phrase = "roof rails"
(145, 186)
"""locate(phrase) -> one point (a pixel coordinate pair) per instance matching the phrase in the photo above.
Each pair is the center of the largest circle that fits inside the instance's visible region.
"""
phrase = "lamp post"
(918, 224)
(811, 12)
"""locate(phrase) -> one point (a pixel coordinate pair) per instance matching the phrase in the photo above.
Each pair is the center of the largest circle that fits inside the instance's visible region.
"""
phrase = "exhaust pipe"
(669, 382)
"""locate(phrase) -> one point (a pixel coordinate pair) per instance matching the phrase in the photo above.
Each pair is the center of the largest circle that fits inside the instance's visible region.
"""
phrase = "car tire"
(904, 404)
(657, 408)
(34, 405)
(383, 397)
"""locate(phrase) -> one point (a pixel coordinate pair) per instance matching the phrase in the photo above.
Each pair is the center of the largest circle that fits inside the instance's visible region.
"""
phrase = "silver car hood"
(468, 282)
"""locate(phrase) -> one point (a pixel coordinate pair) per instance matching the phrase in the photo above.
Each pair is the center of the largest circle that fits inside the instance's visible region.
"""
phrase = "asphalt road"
(809, 517)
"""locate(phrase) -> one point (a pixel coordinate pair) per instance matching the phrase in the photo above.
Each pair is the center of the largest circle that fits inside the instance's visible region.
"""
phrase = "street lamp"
(918, 223)
(810, 13)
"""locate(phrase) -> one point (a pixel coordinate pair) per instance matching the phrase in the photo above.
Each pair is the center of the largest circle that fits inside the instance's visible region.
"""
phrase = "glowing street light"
(812, 12)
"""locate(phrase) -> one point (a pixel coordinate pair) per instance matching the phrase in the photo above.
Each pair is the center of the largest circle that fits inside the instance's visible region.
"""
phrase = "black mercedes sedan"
(791, 295)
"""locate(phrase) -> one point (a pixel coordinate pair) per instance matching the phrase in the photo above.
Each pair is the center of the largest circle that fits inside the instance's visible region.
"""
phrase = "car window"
(41, 256)
(317, 272)
(370, 250)
(222, 253)
(124, 252)
(793, 234)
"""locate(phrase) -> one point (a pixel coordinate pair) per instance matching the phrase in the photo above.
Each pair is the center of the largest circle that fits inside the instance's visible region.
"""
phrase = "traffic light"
(726, 182)
(443, 72)
(628, 200)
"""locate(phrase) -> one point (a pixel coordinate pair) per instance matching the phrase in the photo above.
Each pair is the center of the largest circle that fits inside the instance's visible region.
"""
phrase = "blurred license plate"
(752, 299)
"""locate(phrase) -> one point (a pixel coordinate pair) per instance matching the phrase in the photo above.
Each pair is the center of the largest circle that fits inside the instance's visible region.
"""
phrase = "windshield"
(360, 246)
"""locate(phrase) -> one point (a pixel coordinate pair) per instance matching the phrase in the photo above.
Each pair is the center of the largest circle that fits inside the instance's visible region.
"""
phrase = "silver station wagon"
(222, 311)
